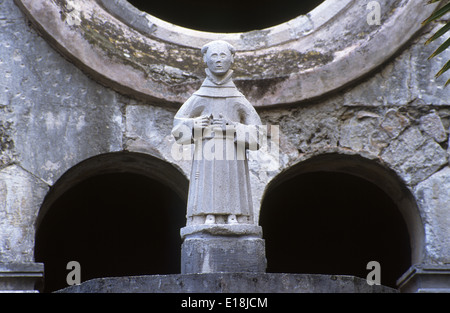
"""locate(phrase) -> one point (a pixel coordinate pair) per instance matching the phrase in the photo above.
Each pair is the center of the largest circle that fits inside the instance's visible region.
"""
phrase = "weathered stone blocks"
(433, 196)
(414, 156)
(431, 124)
(21, 195)
(52, 116)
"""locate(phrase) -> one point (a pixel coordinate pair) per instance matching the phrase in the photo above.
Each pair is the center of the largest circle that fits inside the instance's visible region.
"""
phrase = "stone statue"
(222, 124)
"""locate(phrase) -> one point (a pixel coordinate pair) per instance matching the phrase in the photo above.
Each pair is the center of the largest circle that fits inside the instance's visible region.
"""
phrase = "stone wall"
(54, 116)
(399, 117)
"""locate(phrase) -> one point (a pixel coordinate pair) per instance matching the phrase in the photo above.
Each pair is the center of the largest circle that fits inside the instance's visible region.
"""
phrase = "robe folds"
(219, 182)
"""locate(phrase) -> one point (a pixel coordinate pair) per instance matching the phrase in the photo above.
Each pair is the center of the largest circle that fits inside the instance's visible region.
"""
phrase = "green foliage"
(433, 17)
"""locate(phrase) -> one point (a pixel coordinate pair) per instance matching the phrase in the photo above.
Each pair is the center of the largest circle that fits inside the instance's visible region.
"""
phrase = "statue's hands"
(221, 122)
(201, 122)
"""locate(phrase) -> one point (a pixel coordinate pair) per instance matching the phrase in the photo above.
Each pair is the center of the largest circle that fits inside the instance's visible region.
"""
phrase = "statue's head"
(218, 56)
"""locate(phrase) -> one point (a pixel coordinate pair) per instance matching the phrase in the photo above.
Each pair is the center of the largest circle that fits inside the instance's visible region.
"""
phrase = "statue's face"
(218, 58)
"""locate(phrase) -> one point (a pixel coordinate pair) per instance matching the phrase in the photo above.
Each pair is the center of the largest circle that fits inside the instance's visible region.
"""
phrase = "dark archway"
(332, 222)
(226, 16)
(118, 223)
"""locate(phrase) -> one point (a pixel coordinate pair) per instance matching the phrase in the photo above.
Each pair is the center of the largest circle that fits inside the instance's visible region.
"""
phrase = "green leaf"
(444, 46)
(444, 69)
(439, 33)
(442, 11)
(437, 14)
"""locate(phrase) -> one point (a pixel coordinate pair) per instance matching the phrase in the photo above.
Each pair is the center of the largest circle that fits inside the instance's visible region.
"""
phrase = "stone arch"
(117, 214)
(392, 205)
(141, 55)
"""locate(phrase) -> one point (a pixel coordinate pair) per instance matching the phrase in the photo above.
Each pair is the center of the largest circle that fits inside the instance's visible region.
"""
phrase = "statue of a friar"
(222, 125)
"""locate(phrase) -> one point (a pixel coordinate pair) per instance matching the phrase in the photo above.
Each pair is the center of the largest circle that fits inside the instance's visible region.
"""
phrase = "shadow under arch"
(117, 214)
(333, 213)
(247, 15)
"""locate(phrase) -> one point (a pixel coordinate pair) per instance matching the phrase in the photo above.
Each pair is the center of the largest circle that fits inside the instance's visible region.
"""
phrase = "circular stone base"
(229, 283)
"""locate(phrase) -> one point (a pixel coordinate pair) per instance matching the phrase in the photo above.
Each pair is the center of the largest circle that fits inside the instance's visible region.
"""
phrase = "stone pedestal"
(20, 277)
(222, 248)
(425, 278)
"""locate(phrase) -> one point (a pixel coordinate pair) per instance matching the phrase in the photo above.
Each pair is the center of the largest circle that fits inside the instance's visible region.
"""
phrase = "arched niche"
(333, 213)
(117, 214)
(307, 57)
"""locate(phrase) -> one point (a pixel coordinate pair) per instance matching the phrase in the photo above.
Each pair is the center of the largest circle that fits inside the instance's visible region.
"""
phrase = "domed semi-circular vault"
(300, 59)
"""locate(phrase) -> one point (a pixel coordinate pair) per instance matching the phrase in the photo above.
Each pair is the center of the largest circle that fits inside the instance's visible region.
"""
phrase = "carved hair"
(229, 46)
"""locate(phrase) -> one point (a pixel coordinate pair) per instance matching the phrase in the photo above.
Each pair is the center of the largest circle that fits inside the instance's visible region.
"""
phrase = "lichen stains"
(70, 13)
(175, 65)
(6, 143)
(259, 88)
(279, 64)
(172, 65)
